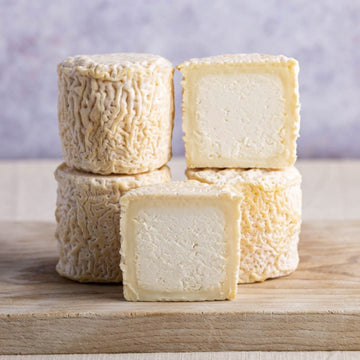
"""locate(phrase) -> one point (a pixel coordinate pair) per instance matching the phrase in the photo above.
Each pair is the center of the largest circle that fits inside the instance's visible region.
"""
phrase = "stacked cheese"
(182, 241)
(237, 218)
(115, 121)
(241, 122)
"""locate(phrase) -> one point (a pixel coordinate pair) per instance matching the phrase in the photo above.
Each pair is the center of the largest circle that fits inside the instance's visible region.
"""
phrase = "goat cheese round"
(240, 110)
(116, 112)
(180, 242)
(88, 221)
(271, 218)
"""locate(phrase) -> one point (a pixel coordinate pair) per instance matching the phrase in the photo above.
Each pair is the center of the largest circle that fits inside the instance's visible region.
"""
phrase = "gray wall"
(323, 35)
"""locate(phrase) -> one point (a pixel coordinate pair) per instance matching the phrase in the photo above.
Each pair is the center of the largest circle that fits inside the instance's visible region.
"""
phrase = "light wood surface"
(253, 355)
(330, 189)
(316, 308)
(28, 192)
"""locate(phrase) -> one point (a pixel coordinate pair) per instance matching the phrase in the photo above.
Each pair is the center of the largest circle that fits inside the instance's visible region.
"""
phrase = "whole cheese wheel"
(270, 219)
(88, 221)
(116, 112)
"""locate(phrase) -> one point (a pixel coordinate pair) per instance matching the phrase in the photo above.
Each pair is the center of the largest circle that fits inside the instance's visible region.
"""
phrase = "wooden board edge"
(179, 333)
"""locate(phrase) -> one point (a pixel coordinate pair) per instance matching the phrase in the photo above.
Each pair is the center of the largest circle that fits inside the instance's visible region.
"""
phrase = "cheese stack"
(241, 121)
(115, 116)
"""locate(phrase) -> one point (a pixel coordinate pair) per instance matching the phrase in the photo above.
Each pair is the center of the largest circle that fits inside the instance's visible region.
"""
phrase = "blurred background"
(323, 35)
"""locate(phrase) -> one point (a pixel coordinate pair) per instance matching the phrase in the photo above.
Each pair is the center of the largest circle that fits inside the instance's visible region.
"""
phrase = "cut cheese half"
(240, 111)
(180, 242)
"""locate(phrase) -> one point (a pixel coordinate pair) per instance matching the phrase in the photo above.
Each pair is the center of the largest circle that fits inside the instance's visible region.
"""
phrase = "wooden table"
(331, 193)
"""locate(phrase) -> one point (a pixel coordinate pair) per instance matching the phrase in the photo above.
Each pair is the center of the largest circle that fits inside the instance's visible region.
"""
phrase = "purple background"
(323, 35)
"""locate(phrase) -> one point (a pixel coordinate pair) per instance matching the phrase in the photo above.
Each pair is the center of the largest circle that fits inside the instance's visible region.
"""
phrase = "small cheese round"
(116, 112)
(88, 221)
(271, 218)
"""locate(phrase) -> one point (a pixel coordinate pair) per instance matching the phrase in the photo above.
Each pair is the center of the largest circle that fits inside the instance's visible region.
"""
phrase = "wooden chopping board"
(316, 308)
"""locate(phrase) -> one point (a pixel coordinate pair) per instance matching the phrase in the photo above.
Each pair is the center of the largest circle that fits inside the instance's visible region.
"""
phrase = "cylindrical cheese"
(271, 218)
(88, 221)
(116, 112)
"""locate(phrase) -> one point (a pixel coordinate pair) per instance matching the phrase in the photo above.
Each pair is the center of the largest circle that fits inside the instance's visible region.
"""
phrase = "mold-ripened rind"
(87, 215)
(271, 218)
(116, 112)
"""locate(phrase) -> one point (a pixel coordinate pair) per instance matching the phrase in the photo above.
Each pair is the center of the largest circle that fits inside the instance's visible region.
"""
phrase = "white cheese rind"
(271, 218)
(180, 242)
(240, 111)
(88, 215)
(116, 112)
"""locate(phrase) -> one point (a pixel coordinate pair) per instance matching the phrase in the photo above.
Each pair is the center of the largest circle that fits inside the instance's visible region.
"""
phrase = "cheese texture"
(116, 112)
(88, 216)
(180, 242)
(240, 111)
(271, 218)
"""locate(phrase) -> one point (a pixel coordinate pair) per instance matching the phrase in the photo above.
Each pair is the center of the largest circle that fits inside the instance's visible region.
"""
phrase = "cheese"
(180, 242)
(116, 112)
(271, 218)
(240, 111)
(88, 216)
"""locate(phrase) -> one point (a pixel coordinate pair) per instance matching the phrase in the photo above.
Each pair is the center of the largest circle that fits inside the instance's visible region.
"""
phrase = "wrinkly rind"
(180, 189)
(116, 112)
(239, 59)
(271, 218)
(88, 216)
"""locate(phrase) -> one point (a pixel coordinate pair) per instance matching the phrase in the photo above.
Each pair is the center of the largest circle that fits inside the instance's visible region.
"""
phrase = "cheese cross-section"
(240, 111)
(88, 216)
(180, 242)
(271, 218)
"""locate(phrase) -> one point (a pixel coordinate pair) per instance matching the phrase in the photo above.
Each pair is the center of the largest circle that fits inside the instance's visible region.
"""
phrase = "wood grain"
(316, 308)
(235, 355)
